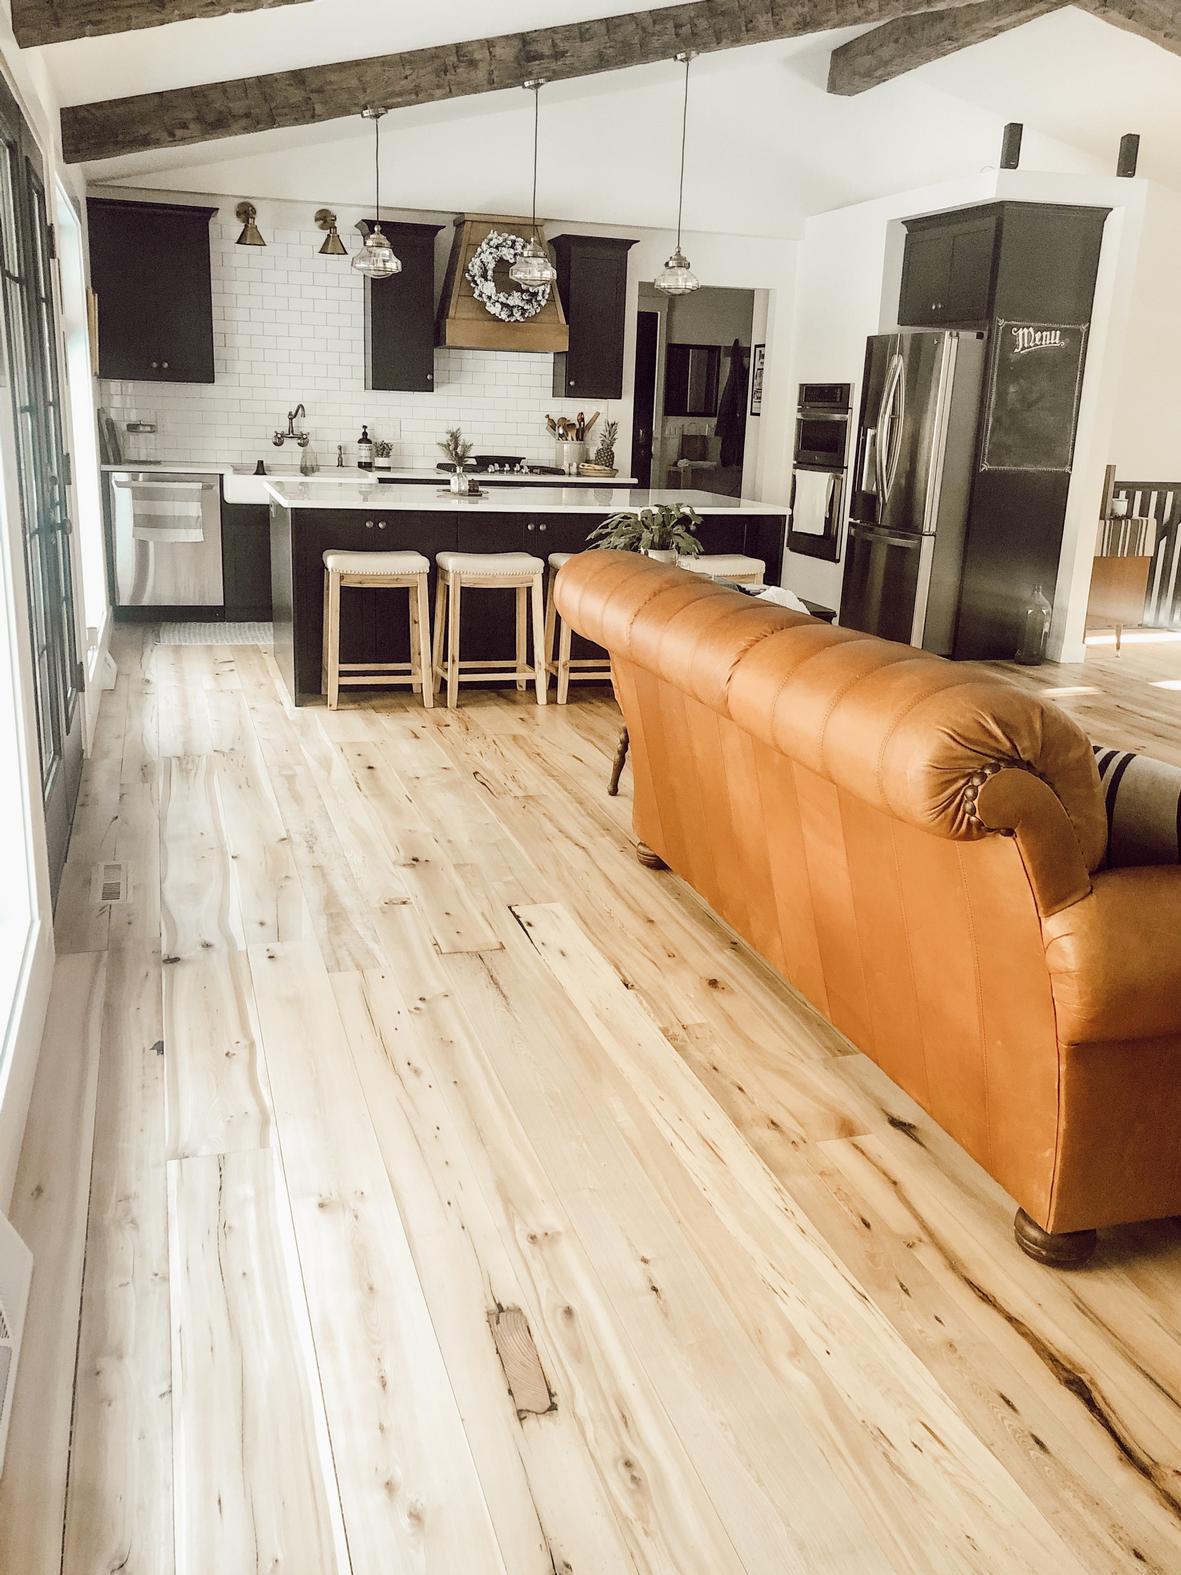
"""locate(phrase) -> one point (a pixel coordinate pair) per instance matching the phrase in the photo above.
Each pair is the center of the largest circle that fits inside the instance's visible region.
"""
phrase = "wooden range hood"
(464, 323)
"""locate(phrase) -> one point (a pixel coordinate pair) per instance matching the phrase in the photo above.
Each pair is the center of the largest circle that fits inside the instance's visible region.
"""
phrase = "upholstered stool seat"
(559, 662)
(727, 566)
(368, 563)
(489, 571)
(377, 571)
(499, 565)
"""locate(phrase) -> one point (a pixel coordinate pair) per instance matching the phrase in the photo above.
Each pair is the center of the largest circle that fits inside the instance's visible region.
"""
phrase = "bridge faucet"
(302, 438)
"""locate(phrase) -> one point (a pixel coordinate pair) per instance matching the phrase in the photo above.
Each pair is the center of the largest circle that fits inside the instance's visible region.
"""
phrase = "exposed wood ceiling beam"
(181, 116)
(54, 21)
(1159, 21)
(912, 41)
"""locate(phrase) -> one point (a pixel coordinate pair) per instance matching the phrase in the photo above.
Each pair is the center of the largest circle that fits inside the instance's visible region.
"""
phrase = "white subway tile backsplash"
(289, 327)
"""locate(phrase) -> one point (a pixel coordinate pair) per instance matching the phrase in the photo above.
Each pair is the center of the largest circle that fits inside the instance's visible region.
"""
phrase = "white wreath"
(510, 306)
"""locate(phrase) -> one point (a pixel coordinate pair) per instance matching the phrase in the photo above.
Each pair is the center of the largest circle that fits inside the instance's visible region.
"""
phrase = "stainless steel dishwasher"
(167, 539)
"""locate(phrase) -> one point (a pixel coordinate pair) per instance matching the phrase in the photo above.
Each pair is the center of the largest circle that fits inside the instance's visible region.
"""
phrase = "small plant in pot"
(666, 532)
(382, 453)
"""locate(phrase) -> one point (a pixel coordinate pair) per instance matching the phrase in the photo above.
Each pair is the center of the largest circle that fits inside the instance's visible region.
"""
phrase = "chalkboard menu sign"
(1032, 406)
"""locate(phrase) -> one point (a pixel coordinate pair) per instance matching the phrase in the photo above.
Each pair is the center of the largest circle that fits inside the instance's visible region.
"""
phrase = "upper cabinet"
(948, 269)
(400, 313)
(592, 285)
(149, 265)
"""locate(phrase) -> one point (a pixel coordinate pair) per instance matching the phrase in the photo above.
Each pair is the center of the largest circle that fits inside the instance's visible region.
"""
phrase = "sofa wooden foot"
(1065, 1249)
(649, 859)
(619, 762)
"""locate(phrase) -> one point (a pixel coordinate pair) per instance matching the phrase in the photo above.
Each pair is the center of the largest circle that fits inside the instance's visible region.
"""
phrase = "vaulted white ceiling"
(768, 145)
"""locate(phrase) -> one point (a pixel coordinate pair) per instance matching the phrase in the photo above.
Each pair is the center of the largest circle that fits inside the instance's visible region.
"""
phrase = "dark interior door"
(644, 396)
(42, 466)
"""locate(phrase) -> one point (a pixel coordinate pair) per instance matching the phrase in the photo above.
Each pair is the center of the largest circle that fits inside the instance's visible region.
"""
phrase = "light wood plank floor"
(418, 1185)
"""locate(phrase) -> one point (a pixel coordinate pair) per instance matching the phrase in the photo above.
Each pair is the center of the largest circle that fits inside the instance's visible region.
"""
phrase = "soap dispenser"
(365, 450)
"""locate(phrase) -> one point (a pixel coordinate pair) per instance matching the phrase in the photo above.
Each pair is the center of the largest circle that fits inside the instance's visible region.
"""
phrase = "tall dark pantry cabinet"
(1023, 274)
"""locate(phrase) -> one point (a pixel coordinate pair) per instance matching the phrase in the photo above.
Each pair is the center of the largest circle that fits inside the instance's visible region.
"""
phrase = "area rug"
(216, 634)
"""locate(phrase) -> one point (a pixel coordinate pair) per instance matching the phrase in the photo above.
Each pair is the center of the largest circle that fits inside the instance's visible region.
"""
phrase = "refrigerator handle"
(895, 445)
(882, 445)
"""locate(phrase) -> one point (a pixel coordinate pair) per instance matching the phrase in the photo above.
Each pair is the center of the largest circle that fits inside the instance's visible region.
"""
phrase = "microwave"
(822, 424)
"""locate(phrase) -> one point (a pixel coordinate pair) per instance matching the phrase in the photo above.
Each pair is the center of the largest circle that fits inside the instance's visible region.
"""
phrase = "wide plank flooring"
(419, 1185)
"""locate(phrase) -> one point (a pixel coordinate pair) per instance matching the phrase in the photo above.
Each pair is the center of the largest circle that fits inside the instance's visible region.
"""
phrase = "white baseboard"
(19, 1051)
(98, 661)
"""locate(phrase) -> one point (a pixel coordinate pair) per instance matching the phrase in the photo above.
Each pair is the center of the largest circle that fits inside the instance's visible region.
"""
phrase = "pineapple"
(605, 453)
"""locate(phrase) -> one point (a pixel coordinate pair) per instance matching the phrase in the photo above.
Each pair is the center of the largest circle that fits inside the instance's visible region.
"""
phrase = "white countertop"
(241, 485)
(580, 499)
(352, 473)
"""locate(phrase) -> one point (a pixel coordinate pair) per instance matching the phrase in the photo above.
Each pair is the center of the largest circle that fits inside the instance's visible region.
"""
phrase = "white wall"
(1146, 430)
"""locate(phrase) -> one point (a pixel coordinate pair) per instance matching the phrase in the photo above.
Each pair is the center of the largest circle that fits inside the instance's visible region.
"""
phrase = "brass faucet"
(302, 438)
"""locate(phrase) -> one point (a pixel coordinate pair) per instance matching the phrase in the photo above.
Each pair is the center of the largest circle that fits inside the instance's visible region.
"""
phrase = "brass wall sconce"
(246, 213)
(333, 245)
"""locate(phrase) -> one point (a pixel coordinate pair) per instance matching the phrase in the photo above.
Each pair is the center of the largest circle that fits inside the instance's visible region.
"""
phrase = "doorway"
(42, 468)
(705, 429)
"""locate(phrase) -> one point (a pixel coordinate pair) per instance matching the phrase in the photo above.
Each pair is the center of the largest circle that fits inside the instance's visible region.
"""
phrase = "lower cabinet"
(375, 623)
(246, 562)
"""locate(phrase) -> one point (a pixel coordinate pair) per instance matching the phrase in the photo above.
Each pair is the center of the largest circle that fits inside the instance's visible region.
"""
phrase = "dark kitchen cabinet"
(948, 270)
(592, 286)
(149, 265)
(246, 561)
(400, 313)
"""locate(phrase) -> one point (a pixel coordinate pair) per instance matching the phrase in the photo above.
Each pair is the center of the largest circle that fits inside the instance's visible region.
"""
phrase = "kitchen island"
(305, 523)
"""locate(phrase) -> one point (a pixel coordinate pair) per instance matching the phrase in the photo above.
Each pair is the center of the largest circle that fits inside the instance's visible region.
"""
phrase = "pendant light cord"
(536, 143)
(684, 138)
(377, 170)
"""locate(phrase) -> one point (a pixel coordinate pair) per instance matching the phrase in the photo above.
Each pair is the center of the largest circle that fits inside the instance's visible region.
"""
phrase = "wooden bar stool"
(726, 566)
(459, 571)
(564, 668)
(395, 570)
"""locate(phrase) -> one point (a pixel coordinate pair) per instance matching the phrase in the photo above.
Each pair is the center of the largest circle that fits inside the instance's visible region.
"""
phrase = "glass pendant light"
(678, 278)
(533, 268)
(246, 213)
(376, 258)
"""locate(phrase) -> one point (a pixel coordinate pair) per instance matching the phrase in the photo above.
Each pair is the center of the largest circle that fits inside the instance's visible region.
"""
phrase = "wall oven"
(822, 424)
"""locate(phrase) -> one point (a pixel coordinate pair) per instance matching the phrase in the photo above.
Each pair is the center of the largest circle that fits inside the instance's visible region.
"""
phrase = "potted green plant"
(457, 448)
(666, 532)
(382, 453)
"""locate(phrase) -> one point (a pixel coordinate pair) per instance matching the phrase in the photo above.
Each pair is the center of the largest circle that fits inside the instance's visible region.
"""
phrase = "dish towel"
(809, 515)
(164, 511)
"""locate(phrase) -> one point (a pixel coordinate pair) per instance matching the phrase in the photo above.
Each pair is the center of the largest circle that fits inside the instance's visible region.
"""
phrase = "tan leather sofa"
(917, 849)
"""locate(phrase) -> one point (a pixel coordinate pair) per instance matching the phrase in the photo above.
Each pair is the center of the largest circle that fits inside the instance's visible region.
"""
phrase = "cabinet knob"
(164, 364)
(531, 526)
(570, 384)
(155, 366)
(368, 524)
(381, 524)
(543, 527)
(430, 377)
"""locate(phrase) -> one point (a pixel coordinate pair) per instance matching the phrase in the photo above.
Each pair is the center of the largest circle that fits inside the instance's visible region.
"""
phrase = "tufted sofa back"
(905, 731)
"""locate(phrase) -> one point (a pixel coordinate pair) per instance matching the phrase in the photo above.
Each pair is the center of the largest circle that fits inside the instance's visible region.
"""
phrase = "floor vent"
(16, 1270)
(111, 883)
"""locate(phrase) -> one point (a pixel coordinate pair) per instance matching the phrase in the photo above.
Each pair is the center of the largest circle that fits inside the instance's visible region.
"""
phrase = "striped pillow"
(1143, 798)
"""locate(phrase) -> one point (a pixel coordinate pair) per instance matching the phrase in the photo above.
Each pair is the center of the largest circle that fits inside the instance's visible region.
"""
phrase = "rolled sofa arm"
(1115, 960)
(1015, 800)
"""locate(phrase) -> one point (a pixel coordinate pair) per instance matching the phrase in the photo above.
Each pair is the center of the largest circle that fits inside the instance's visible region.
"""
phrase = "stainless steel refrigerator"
(912, 482)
